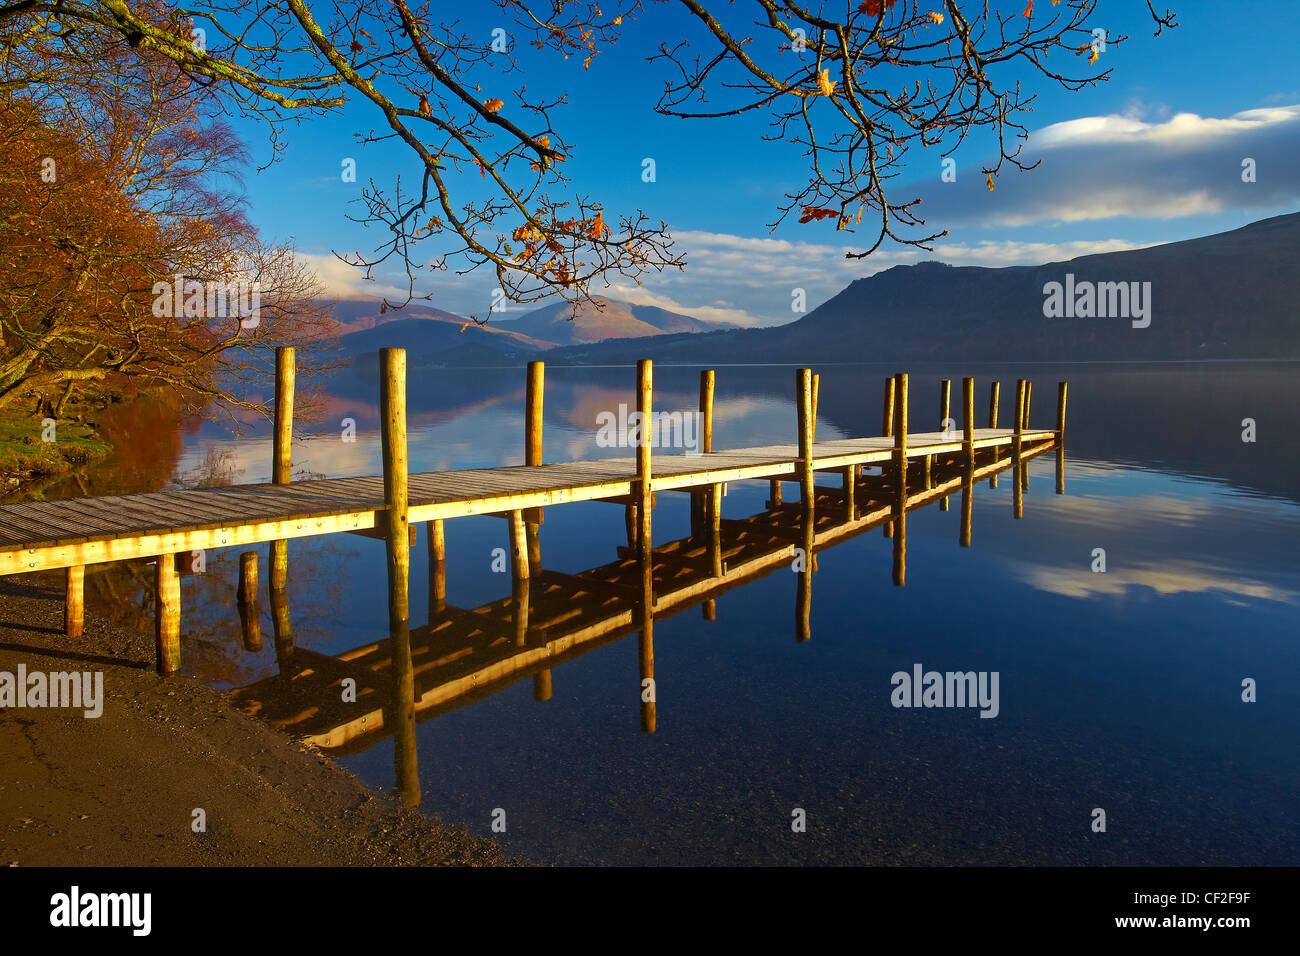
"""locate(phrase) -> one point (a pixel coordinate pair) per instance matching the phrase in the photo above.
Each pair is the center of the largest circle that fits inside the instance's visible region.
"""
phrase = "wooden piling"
(247, 593)
(1029, 389)
(74, 600)
(282, 627)
(805, 412)
(706, 410)
(644, 405)
(282, 450)
(887, 419)
(710, 609)
(250, 626)
(850, 487)
(714, 512)
(167, 626)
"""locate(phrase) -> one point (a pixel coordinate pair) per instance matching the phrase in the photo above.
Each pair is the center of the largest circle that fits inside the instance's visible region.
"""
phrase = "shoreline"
(122, 789)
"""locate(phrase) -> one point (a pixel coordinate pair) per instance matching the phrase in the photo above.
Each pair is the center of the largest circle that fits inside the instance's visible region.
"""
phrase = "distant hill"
(1230, 295)
(422, 331)
(614, 320)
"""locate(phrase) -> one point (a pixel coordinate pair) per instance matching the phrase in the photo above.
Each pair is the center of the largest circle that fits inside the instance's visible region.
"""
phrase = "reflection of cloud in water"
(1166, 578)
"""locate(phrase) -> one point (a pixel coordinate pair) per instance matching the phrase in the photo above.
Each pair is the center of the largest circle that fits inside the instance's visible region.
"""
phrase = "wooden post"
(437, 570)
(1018, 426)
(887, 420)
(74, 600)
(247, 592)
(282, 450)
(644, 405)
(803, 592)
(706, 410)
(812, 417)
(968, 421)
(993, 423)
(710, 609)
(850, 486)
(1060, 437)
(392, 397)
(900, 467)
(945, 413)
(1029, 390)
(805, 412)
(167, 626)
(774, 492)
(1060, 412)
(535, 390)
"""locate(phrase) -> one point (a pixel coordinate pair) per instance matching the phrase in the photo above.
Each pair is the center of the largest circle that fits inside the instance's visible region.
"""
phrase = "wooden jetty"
(464, 654)
(173, 527)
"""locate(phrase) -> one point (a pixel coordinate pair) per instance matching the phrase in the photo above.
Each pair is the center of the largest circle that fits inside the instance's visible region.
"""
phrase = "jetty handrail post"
(74, 600)
(812, 415)
(1029, 390)
(994, 388)
(1060, 437)
(282, 462)
(167, 622)
(887, 417)
(535, 392)
(900, 468)
(1018, 425)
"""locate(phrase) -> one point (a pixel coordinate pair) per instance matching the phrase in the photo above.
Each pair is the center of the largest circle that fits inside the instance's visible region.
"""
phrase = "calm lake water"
(1119, 690)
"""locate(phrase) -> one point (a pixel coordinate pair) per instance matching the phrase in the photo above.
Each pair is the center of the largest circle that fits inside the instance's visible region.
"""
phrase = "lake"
(1119, 690)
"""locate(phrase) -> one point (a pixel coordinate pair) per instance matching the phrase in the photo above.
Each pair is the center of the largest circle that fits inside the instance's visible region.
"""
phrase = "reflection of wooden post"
(645, 647)
(714, 511)
(805, 412)
(74, 600)
(167, 627)
(281, 626)
(993, 423)
(437, 569)
(803, 596)
(850, 486)
(945, 412)
(967, 503)
(710, 608)
(282, 463)
(542, 686)
(1018, 426)
(644, 405)
(247, 592)
(900, 466)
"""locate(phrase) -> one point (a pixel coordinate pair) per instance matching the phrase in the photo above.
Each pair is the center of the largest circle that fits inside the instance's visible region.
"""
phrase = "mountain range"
(1231, 295)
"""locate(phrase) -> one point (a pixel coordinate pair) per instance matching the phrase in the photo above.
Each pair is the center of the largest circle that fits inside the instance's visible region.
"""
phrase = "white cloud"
(342, 281)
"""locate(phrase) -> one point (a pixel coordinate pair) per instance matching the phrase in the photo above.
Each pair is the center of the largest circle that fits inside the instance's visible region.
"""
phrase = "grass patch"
(23, 453)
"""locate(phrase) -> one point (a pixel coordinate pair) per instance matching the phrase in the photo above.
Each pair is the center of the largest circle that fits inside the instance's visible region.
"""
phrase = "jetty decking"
(173, 526)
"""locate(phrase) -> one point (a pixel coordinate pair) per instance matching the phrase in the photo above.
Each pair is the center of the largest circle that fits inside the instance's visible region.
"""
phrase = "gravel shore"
(121, 789)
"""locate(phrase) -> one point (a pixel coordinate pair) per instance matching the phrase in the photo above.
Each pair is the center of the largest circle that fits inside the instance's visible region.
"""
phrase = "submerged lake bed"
(1119, 690)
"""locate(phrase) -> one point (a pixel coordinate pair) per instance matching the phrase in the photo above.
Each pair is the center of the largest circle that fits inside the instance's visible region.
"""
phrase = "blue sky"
(1152, 156)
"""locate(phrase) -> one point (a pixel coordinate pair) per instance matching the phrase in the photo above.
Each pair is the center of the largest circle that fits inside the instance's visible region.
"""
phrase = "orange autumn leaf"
(424, 106)
(988, 181)
(825, 83)
(935, 17)
(493, 106)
